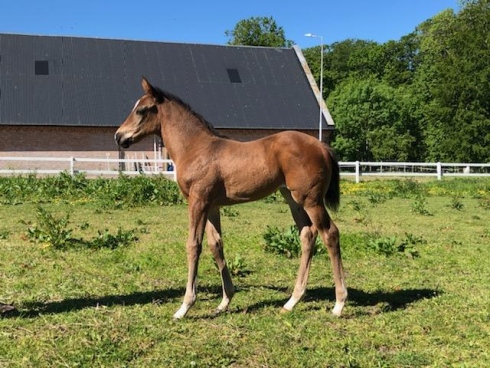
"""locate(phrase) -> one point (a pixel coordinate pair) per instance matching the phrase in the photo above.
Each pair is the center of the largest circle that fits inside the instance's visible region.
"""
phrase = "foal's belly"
(245, 184)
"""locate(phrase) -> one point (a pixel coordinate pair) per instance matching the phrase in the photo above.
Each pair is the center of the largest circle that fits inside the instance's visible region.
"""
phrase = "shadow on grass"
(378, 301)
(388, 301)
(385, 301)
(32, 310)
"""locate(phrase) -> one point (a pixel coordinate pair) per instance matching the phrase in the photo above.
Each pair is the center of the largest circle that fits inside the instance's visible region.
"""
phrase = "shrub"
(456, 204)
(275, 197)
(106, 240)
(420, 205)
(389, 246)
(4, 234)
(237, 266)
(408, 188)
(50, 230)
(229, 211)
(376, 198)
(287, 242)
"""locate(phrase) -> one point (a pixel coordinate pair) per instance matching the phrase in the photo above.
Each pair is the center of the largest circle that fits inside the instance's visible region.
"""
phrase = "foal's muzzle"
(122, 141)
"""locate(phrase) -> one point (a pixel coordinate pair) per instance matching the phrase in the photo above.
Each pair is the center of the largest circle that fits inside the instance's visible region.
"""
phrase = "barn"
(66, 96)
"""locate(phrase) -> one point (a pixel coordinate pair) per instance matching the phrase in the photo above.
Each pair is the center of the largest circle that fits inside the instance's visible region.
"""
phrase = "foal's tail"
(332, 197)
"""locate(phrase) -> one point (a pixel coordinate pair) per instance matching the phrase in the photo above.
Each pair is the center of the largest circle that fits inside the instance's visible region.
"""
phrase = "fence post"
(72, 166)
(439, 171)
(358, 172)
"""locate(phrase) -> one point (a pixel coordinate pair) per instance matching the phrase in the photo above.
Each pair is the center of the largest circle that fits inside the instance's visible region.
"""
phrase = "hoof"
(6, 308)
(178, 316)
(337, 310)
(216, 312)
(284, 310)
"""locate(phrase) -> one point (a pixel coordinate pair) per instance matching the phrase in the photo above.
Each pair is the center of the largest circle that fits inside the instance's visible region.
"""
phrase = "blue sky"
(206, 21)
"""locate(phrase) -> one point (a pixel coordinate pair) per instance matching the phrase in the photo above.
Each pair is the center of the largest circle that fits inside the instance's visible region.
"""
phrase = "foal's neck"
(183, 131)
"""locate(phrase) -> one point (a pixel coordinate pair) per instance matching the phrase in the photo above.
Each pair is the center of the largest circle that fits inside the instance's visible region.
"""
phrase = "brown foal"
(214, 171)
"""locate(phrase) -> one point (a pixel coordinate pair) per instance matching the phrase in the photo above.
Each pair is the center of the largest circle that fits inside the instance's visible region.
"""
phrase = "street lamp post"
(320, 102)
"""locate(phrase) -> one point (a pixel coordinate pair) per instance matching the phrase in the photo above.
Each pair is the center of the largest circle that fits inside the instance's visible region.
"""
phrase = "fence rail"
(113, 167)
(89, 166)
(412, 169)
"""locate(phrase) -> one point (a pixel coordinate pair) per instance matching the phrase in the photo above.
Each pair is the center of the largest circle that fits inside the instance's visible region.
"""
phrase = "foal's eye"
(141, 110)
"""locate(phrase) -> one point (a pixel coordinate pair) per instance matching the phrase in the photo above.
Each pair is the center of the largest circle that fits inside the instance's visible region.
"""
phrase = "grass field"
(417, 259)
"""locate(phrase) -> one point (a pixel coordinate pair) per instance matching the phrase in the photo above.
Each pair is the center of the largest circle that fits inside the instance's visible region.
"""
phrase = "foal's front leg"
(197, 222)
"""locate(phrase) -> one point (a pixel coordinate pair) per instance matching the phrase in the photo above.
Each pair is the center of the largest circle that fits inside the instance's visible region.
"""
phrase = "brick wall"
(91, 142)
(47, 141)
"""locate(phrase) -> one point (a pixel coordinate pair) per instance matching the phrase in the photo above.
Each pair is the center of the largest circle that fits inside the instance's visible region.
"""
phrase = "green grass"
(112, 306)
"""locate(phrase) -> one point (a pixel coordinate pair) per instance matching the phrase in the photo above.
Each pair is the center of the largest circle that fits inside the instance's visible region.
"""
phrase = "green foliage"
(50, 230)
(105, 239)
(408, 188)
(389, 246)
(286, 242)
(54, 232)
(372, 122)
(419, 206)
(237, 266)
(376, 198)
(4, 234)
(361, 212)
(283, 242)
(258, 31)
(275, 197)
(484, 203)
(122, 192)
(456, 203)
(454, 49)
(229, 211)
(385, 246)
(424, 97)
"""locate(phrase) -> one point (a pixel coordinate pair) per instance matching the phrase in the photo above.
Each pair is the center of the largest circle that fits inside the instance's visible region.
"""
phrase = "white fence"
(412, 169)
(89, 166)
(112, 167)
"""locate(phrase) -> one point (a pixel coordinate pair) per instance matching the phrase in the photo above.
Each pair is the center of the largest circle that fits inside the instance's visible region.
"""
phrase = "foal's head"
(143, 119)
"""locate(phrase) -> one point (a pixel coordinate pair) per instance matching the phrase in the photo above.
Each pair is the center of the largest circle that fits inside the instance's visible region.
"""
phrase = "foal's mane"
(165, 95)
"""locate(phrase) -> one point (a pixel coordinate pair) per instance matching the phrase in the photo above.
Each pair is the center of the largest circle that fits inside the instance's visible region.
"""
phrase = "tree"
(342, 60)
(400, 60)
(425, 97)
(373, 122)
(454, 78)
(258, 31)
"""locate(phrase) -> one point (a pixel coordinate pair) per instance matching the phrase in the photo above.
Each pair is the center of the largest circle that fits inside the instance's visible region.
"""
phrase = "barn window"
(234, 76)
(41, 67)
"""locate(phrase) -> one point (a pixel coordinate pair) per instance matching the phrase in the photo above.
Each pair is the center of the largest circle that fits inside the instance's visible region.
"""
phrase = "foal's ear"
(150, 90)
(147, 87)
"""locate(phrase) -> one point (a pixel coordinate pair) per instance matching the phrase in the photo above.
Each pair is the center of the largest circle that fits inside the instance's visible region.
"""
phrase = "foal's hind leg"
(213, 232)
(330, 236)
(308, 234)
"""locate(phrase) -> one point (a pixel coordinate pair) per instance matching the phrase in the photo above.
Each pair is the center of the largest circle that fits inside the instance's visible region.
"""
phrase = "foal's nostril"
(122, 141)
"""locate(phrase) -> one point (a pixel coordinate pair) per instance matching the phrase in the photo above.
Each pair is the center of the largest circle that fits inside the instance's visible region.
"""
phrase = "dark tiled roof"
(73, 81)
